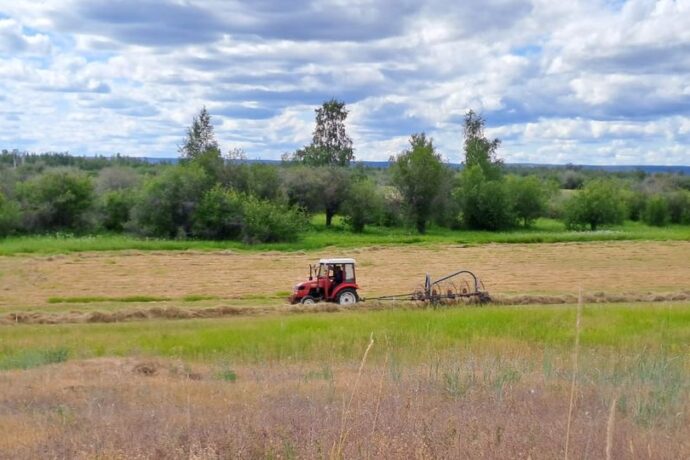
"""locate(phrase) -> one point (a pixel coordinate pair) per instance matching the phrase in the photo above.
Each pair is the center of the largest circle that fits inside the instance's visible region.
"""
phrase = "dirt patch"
(146, 369)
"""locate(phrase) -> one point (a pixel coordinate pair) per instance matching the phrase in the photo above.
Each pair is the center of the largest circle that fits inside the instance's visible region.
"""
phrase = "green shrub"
(220, 215)
(114, 178)
(362, 205)
(679, 207)
(572, 180)
(264, 181)
(636, 203)
(599, 203)
(486, 204)
(114, 208)
(528, 198)
(9, 216)
(57, 200)
(392, 213)
(166, 205)
(268, 222)
(656, 212)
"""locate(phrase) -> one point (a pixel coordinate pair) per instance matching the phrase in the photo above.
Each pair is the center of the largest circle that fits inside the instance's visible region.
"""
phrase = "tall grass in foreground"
(576, 355)
(139, 408)
(338, 447)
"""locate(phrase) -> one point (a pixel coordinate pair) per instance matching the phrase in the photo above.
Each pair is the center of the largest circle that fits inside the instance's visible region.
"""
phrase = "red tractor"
(335, 282)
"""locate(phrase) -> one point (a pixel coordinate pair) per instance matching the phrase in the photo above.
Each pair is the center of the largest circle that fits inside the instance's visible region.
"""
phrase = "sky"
(581, 81)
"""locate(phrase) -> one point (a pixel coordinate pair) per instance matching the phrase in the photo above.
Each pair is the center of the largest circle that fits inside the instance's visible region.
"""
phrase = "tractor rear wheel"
(347, 297)
(307, 300)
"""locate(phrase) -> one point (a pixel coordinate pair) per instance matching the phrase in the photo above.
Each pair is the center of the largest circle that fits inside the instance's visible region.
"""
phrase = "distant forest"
(209, 194)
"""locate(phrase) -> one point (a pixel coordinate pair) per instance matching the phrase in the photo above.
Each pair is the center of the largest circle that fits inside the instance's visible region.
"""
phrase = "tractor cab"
(330, 280)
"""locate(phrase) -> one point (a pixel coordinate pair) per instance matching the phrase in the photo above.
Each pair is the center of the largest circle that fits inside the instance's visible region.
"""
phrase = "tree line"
(216, 195)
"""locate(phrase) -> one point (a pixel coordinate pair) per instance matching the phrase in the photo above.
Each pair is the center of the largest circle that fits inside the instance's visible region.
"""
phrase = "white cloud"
(583, 81)
(14, 40)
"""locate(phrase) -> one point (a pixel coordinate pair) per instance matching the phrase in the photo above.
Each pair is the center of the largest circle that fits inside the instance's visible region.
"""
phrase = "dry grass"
(468, 408)
(573, 382)
(173, 311)
(248, 279)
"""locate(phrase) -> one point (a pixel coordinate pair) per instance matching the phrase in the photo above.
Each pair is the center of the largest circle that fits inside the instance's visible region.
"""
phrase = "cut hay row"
(226, 311)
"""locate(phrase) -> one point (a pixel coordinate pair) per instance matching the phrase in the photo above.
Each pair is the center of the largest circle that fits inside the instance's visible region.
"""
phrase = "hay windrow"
(176, 313)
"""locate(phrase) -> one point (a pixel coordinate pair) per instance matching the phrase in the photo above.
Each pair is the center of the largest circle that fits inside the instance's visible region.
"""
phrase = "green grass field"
(413, 336)
(319, 237)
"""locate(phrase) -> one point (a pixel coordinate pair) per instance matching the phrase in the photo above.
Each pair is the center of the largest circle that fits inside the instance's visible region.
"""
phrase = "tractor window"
(349, 273)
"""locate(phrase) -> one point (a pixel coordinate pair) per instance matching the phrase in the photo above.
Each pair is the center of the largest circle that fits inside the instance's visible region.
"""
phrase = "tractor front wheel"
(347, 297)
(307, 300)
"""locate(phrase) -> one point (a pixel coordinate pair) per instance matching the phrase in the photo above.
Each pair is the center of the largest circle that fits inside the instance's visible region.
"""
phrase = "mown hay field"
(112, 280)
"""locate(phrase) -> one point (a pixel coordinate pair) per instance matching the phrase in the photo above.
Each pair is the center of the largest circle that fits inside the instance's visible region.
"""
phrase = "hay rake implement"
(457, 287)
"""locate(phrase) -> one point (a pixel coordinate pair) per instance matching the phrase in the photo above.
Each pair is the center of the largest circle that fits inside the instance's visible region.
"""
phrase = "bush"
(485, 203)
(302, 188)
(267, 222)
(599, 203)
(9, 216)
(166, 205)
(264, 182)
(679, 207)
(572, 180)
(392, 214)
(636, 203)
(445, 208)
(220, 215)
(57, 200)
(656, 212)
(115, 178)
(362, 205)
(528, 198)
(114, 208)
(555, 205)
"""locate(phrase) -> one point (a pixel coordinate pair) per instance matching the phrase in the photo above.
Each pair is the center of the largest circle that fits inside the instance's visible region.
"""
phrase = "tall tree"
(200, 138)
(330, 143)
(479, 150)
(417, 173)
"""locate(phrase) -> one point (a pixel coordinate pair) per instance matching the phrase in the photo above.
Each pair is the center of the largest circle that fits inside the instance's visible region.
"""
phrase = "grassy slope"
(319, 237)
(410, 335)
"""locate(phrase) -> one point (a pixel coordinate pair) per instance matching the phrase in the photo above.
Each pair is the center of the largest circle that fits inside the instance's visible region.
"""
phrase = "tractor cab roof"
(337, 261)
